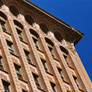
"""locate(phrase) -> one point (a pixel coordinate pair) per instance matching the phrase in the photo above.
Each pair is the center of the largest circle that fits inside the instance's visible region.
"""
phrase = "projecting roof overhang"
(71, 34)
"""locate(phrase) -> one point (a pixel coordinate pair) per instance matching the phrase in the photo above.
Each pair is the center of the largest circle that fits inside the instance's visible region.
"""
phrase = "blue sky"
(77, 13)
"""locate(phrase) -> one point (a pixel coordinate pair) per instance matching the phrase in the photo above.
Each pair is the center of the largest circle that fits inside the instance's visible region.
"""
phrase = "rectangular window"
(18, 71)
(27, 56)
(36, 80)
(35, 42)
(66, 59)
(75, 79)
(44, 64)
(1, 66)
(53, 86)
(60, 72)
(10, 46)
(19, 34)
(51, 51)
(3, 26)
(6, 86)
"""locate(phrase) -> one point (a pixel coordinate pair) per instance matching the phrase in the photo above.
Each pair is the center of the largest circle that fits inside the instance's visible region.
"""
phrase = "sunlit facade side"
(37, 52)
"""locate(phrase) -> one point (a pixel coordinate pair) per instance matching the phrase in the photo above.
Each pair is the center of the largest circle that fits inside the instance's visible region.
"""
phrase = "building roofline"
(53, 17)
(71, 34)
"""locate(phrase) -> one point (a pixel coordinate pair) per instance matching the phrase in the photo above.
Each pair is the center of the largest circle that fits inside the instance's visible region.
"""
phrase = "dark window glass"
(1, 66)
(27, 56)
(53, 87)
(34, 33)
(36, 80)
(75, 79)
(35, 42)
(44, 64)
(18, 71)
(6, 86)
(10, 47)
(18, 24)
(23, 90)
(51, 51)
(49, 41)
(60, 72)
(3, 26)
(19, 34)
(66, 59)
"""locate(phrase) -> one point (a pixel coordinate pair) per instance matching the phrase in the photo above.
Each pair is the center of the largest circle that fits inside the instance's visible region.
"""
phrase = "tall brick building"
(37, 51)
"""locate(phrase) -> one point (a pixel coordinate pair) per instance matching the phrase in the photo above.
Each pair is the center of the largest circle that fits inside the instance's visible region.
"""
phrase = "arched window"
(19, 28)
(49, 42)
(29, 19)
(44, 28)
(58, 36)
(14, 10)
(35, 37)
(18, 24)
(63, 50)
(3, 15)
(50, 46)
(65, 54)
(34, 33)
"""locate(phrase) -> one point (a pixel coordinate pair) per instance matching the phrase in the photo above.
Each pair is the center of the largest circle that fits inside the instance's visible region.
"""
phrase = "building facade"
(37, 52)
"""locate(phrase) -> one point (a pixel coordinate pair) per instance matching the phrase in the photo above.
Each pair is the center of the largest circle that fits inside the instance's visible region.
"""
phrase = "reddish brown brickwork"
(37, 52)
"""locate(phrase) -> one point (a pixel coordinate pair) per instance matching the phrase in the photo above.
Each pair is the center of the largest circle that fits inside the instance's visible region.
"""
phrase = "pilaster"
(39, 63)
(22, 55)
(66, 68)
(10, 63)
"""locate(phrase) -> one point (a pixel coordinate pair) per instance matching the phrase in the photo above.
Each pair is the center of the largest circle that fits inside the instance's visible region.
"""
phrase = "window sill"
(7, 32)
(41, 89)
(40, 50)
(81, 90)
(23, 80)
(55, 59)
(71, 67)
(32, 64)
(49, 73)
(23, 41)
(3, 70)
(14, 55)
(66, 82)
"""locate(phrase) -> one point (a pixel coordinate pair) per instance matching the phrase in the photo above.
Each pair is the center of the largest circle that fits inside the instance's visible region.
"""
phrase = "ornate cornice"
(70, 34)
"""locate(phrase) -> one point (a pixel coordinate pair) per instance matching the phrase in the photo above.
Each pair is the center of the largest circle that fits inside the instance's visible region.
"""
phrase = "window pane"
(27, 55)
(35, 42)
(10, 46)
(66, 59)
(44, 64)
(19, 34)
(6, 86)
(24, 91)
(36, 80)
(53, 87)
(60, 72)
(18, 71)
(1, 66)
(75, 79)
(2, 25)
(51, 51)
(20, 37)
